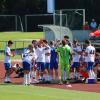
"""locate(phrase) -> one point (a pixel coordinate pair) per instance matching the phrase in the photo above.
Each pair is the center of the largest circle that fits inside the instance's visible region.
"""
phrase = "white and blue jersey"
(7, 59)
(90, 50)
(40, 58)
(28, 60)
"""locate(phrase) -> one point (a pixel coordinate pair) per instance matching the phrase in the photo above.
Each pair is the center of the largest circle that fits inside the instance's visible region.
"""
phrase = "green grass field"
(27, 37)
(22, 38)
(14, 92)
(5, 36)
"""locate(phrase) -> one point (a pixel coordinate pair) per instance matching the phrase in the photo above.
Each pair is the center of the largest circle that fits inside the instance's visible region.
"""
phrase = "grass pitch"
(5, 36)
(14, 92)
(22, 38)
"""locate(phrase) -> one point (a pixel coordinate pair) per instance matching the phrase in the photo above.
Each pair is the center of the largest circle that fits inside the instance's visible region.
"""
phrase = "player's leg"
(51, 69)
(7, 73)
(26, 67)
(42, 68)
(77, 65)
(61, 72)
(38, 70)
(67, 68)
(47, 72)
(73, 71)
(56, 70)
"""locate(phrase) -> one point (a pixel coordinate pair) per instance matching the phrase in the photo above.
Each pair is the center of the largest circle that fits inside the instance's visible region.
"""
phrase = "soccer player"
(76, 51)
(53, 61)
(28, 60)
(47, 76)
(90, 54)
(65, 53)
(40, 51)
(7, 61)
(17, 68)
(69, 43)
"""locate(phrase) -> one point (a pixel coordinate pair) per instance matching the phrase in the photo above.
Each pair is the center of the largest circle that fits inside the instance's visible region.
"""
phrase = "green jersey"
(65, 52)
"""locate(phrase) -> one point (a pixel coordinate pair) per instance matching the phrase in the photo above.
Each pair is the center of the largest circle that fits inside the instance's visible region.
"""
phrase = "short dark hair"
(63, 42)
(87, 42)
(45, 41)
(75, 41)
(33, 41)
(51, 42)
(66, 36)
(10, 42)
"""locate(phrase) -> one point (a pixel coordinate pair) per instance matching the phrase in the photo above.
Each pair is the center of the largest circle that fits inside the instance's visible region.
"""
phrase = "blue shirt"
(93, 24)
(54, 55)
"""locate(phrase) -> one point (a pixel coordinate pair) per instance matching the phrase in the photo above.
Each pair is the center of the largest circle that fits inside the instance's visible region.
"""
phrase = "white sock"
(72, 75)
(25, 79)
(49, 77)
(6, 79)
(34, 74)
(77, 75)
(28, 78)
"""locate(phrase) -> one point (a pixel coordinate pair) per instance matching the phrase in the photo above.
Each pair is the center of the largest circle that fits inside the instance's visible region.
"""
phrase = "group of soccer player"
(43, 61)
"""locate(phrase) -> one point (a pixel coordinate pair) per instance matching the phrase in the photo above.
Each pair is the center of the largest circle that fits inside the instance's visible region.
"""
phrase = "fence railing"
(31, 22)
(18, 46)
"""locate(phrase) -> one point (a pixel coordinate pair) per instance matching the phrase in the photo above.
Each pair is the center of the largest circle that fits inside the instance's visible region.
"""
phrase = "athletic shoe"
(68, 85)
(35, 81)
(60, 83)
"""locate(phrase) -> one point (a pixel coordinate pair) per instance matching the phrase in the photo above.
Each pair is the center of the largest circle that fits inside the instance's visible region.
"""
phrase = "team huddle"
(43, 61)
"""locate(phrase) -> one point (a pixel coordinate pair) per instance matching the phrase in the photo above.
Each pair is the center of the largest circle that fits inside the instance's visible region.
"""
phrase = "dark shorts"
(53, 65)
(40, 66)
(96, 63)
(76, 65)
(7, 66)
(47, 65)
(26, 66)
(90, 65)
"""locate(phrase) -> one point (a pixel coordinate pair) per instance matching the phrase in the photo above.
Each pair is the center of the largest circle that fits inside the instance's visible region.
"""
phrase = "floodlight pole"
(83, 17)
(54, 19)
(60, 24)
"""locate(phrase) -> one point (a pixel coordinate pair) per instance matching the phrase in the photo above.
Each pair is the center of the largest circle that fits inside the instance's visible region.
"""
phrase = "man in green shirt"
(64, 55)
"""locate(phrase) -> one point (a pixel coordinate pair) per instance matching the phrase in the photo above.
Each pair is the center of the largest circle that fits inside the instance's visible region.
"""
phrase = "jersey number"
(92, 52)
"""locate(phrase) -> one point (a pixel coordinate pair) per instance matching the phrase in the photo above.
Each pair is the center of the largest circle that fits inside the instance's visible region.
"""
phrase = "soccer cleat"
(68, 85)
(60, 83)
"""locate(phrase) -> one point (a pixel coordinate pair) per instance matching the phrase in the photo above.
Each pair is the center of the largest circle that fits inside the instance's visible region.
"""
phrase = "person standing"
(53, 61)
(7, 61)
(75, 59)
(28, 62)
(93, 25)
(90, 54)
(65, 53)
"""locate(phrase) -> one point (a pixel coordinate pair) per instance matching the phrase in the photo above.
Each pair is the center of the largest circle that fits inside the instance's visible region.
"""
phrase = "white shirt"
(7, 59)
(90, 50)
(40, 54)
(47, 57)
(76, 56)
(29, 56)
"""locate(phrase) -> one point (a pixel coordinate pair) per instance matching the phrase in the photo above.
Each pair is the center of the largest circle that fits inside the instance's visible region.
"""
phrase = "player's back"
(91, 53)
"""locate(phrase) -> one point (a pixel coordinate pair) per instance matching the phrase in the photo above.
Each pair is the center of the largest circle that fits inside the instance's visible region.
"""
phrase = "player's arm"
(47, 54)
(70, 59)
(9, 54)
(57, 49)
(86, 52)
